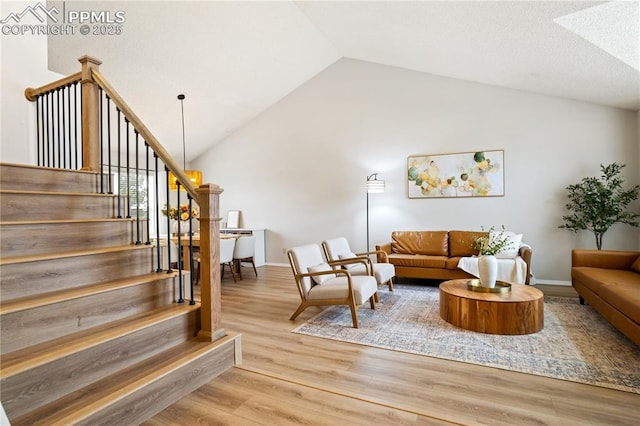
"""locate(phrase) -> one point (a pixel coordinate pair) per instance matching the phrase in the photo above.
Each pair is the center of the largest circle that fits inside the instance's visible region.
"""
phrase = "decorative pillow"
(513, 243)
(319, 279)
(636, 265)
(348, 256)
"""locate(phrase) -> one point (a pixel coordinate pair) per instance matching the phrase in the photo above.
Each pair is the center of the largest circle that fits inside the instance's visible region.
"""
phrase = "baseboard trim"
(554, 282)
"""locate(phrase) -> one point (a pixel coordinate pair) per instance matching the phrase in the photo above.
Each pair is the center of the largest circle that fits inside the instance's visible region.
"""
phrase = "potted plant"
(489, 245)
(597, 203)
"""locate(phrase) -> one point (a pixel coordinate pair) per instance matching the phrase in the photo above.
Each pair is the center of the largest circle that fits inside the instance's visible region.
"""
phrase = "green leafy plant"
(596, 203)
(488, 246)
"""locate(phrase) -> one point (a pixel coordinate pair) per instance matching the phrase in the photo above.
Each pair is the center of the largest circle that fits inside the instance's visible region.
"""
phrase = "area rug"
(576, 344)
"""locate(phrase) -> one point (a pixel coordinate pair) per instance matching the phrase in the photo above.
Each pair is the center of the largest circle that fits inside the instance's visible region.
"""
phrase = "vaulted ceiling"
(233, 60)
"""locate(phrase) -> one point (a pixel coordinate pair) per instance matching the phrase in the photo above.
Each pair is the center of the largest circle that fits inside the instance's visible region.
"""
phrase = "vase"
(185, 229)
(488, 270)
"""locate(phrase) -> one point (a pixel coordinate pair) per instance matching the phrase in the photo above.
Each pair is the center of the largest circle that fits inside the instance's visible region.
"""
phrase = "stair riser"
(34, 388)
(156, 396)
(32, 278)
(41, 238)
(19, 177)
(27, 206)
(33, 326)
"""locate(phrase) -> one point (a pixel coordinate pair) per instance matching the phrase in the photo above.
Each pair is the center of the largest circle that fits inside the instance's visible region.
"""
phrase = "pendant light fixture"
(195, 176)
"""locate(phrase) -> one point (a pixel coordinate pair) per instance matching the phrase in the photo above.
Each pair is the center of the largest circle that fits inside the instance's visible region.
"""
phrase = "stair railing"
(93, 124)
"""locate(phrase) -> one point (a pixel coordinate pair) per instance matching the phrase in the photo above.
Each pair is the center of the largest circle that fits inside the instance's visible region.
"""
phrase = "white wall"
(24, 64)
(299, 169)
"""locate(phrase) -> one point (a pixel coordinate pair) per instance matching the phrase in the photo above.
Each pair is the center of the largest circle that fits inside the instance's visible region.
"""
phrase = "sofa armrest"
(606, 259)
(525, 253)
(385, 249)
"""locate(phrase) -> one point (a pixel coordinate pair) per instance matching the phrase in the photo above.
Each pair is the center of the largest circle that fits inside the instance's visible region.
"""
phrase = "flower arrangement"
(492, 242)
(180, 213)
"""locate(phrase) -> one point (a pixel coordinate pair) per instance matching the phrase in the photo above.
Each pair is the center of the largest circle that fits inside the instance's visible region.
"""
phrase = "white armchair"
(338, 249)
(320, 285)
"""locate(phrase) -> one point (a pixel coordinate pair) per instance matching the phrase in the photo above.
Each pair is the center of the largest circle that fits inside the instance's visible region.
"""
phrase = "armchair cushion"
(349, 265)
(337, 288)
(322, 267)
(636, 265)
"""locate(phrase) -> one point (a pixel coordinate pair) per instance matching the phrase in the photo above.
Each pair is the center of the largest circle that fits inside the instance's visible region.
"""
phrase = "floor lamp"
(374, 186)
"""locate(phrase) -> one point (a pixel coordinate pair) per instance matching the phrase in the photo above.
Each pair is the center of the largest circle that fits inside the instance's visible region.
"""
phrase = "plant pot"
(488, 270)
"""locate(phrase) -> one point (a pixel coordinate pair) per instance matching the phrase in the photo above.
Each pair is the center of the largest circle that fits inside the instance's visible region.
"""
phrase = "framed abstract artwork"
(465, 174)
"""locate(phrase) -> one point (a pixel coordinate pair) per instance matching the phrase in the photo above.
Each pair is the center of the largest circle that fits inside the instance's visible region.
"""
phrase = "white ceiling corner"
(613, 27)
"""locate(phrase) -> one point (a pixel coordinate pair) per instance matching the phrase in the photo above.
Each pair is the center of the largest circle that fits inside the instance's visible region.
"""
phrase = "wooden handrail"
(206, 196)
(146, 134)
(31, 93)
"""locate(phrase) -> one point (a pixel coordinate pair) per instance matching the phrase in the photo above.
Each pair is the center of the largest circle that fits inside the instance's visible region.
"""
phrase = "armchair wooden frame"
(349, 300)
(380, 254)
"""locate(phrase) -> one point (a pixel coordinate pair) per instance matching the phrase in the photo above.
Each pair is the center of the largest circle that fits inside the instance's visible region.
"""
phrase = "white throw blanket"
(510, 270)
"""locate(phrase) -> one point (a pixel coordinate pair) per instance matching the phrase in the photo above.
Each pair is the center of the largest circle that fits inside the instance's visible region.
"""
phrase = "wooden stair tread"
(53, 169)
(73, 253)
(79, 292)
(33, 356)
(81, 404)
(40, 222)
(65, 194)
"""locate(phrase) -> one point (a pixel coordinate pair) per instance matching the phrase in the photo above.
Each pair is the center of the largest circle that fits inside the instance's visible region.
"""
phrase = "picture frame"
(233, 219)
(456, 175)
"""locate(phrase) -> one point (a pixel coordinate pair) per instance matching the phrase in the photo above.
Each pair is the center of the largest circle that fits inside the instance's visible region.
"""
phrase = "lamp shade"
(374, 185)
(195, 176)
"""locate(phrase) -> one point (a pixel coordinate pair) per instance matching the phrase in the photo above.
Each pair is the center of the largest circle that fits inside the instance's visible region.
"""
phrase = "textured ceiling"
(235, 59)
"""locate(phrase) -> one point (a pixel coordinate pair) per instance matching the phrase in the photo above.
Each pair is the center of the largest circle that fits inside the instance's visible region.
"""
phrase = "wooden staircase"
(90, 332)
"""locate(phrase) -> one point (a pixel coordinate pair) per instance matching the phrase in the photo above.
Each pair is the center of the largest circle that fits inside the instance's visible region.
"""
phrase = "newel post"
(90, 115)
(211, 307)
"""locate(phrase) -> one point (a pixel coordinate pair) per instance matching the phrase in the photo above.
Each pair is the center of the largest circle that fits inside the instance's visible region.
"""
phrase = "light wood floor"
(291, 379)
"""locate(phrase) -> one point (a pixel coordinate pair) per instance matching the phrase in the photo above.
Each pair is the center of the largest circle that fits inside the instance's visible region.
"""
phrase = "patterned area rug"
(576, 344)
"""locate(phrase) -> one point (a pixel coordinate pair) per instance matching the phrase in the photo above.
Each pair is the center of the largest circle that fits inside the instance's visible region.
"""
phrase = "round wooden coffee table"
(519, 311)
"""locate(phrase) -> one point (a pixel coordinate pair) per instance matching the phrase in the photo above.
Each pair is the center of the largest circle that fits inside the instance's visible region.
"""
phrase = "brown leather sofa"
(609, 281)
(435, 254)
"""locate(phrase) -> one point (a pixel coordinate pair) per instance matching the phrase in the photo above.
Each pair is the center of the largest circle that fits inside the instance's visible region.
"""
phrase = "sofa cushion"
(418, 260)
(592, 278)
(623, 293)
(432, 243)
(513, 243)
(636, 265)
(462, 243)
(452, 262)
